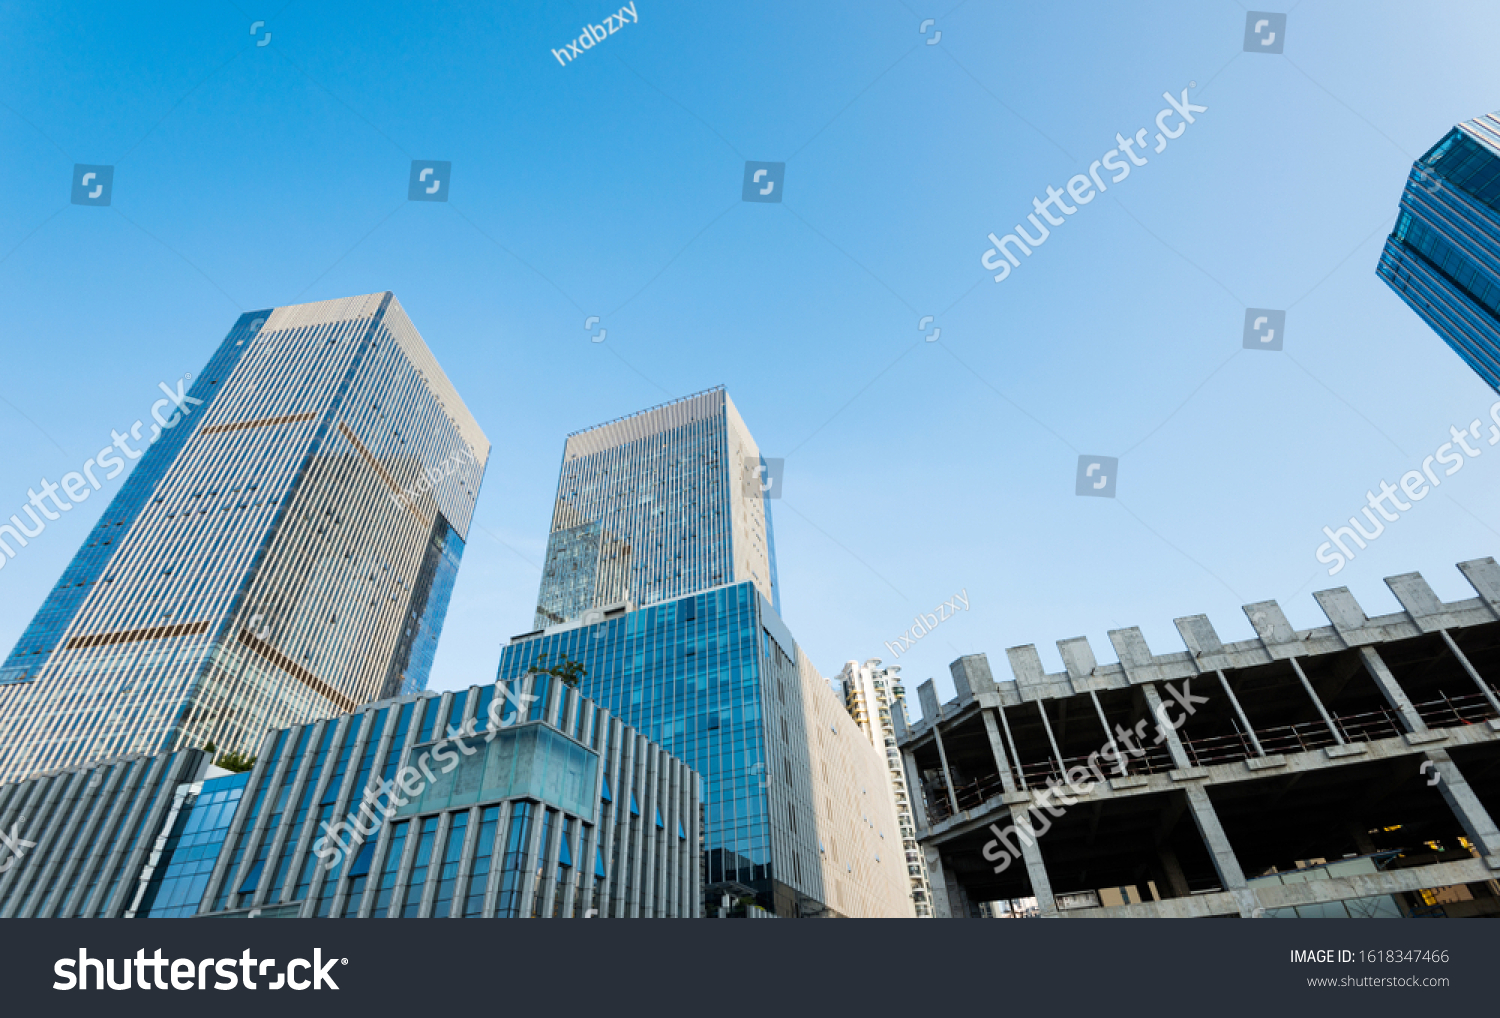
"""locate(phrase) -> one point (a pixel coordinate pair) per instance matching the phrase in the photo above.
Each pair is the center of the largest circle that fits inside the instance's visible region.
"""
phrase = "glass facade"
(1443, 257)
(285, 550)
(177, 884)
(527, 761)
(689, 675)
(653, 506)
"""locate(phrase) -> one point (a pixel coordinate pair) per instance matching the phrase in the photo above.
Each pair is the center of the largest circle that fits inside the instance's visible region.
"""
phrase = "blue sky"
(252, 176)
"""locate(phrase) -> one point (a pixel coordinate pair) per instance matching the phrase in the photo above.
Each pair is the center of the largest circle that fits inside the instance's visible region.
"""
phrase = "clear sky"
(250, 176)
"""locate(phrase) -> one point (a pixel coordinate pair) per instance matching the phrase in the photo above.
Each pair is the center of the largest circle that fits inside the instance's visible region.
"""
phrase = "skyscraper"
(649, 508)
(660, 580)
(873, 696)
(284, 552)
(1443, 257)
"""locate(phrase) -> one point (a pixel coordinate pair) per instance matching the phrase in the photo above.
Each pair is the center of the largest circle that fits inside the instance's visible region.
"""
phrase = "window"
(418, 880)
(516, 843)
(448, 875)
(483, 853)
(387, 885)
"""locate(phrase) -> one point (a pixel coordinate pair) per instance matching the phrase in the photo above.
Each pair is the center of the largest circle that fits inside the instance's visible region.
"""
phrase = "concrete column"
(1226, 864)
(997, 747)
(1109, 736)
(1484, 687)
(1031, 855)
(937, 737)
(1020, 764)
(1174, 744)
(1477, 825)
(937, 883)
(1318, 703)
(1239, 712)
(1391, 689)
(1041, 706)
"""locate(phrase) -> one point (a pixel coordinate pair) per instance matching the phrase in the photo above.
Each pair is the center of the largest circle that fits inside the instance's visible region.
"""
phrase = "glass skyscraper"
(1443, 257)
(649, 507)
(660, 581)
(284, 552)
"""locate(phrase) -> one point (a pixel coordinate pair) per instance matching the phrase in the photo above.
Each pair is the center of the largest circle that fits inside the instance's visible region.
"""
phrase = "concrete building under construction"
(1351, 769)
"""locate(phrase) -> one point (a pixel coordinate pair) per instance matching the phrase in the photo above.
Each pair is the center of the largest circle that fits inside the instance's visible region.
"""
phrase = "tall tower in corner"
(1443, 257)
(284, 552)
(653, 506)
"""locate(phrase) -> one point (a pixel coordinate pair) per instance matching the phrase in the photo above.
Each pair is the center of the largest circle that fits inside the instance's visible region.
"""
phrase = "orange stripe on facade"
(135, 635)
(286, 664)
(390, 481)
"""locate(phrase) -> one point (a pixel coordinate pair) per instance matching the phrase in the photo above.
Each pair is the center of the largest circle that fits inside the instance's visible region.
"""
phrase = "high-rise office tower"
(649, 508)
(660, 581)
(873, 695)
(284, 551)
(1443, 257)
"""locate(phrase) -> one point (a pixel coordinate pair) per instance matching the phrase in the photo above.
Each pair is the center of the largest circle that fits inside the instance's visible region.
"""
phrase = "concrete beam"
(1270, 895)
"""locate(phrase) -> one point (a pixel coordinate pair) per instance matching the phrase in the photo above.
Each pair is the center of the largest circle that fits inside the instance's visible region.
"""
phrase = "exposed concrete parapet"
(1348, 618)
(1484, 575)
(927, 697)
(1419, 600)
(1078, 658)
(972, 676)
(1135, 657)
(1276, 633)
(1026, 666)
